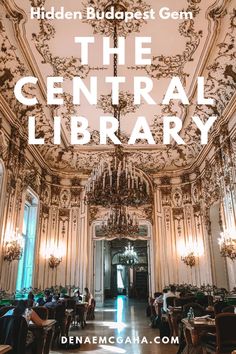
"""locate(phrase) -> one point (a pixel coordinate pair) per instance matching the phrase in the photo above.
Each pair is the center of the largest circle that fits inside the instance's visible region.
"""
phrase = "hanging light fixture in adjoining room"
(129, 257)
(13, 249)
(120, 223)
(227, 243)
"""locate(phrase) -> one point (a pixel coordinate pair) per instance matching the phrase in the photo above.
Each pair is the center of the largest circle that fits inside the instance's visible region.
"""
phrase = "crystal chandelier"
(227, 243)
(116, 182)
(129, 257)
(120, 223)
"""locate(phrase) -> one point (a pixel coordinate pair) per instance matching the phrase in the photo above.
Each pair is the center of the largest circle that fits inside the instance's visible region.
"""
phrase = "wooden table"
(193, 330)
(5, 348)
(43, 335)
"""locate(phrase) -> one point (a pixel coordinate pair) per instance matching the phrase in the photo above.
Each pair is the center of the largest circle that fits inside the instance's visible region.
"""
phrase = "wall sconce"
(13, 249)
(54, 261)
(190, 252)
(189, 260)
(227, 243)
(53, 253)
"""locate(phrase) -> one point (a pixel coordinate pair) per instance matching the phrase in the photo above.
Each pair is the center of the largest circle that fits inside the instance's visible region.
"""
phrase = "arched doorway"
(127, 277)
(112, 276)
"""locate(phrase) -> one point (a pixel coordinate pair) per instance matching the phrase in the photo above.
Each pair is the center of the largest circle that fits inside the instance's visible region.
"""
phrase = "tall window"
(26, 263)
(120, 281)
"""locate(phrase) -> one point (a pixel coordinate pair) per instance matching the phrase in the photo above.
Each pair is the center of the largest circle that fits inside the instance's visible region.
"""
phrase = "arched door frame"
(97, 264)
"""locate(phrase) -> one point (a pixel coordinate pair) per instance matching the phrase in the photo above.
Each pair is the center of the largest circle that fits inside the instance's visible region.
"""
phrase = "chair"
(219, 306)
(51, 313)
(205, 300)
(91, 309)
(184, 300)
(60, 317)
(13, 332)
(225, 339)
(170, 301)
(71, 304)
(228, 309)
(60, 327)
(41, 311)
(5, 309)
(166, 320)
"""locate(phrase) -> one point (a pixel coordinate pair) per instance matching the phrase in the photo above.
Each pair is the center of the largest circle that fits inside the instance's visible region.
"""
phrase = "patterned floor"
(120, 320)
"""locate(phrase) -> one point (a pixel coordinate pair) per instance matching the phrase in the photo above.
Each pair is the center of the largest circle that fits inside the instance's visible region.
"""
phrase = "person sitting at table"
(170, 293)
(156, 320)
(77, 296)
(87, 296)
(159, 299)
(54, 303)
(20, 310)
(47, 298)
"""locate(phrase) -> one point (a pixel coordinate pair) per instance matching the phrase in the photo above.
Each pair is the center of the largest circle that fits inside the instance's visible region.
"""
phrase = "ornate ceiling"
(203, 46)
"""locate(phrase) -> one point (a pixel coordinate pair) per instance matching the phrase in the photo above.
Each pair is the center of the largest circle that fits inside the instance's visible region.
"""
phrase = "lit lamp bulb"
(13, 247)
(227, 243)
(54, 255)
(190, 252)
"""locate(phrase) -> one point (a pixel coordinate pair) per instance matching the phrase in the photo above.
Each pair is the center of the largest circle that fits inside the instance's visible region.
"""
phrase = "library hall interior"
(118, 176)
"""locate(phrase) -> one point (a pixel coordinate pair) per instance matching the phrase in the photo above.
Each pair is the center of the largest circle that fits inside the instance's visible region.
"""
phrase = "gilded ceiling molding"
(219, 10)
(3, 143)
(170, 66)
(221, 85)
(67, 67)
(12, 69)
(125, 105)
(14, 13)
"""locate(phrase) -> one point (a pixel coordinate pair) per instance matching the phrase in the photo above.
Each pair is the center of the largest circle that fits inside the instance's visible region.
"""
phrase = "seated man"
(47, 298)
(170, 293)
(30, 315)
(77, 296)
(22, 310)
(53, 303)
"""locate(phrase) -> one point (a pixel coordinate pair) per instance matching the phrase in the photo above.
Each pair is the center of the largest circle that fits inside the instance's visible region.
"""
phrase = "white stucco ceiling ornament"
(220, 82)
(166, 66)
